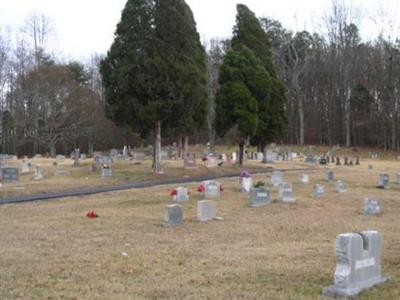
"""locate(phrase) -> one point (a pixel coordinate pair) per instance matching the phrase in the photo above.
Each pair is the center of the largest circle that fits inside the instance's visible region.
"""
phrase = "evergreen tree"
(271, 102)
(154, 72)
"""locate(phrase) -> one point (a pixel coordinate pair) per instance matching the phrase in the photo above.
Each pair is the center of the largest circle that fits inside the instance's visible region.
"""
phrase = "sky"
(84, 27)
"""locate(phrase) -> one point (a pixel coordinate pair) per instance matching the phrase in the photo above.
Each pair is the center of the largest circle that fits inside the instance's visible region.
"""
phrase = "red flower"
(92, 215)
(174, 192)
(204, 159)
(221, 188)
(200, 188)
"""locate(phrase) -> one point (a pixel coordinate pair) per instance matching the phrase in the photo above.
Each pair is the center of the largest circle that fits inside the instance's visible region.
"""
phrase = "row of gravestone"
(357, 254)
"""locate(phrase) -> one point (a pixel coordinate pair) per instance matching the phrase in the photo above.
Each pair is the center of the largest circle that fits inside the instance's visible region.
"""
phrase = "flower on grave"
(221, 188)
(204, 159)
(245, 174)
(92, 215)
(201, 188)
(174, 192)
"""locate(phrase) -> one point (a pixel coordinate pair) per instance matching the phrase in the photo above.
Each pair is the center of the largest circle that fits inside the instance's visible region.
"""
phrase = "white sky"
(84, 27)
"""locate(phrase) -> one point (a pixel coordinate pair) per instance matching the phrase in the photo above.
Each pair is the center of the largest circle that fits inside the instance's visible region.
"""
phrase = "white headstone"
(25, 166)
(319, 190)
(304, 178)
(276, 178)
(210, 189)
(106, 171)
(371, 206)
(180, 194)
(206, 210)
(286, 193)
(340, 186)
(358, 264)
(38, 172)
(246, 183)
(259, 197)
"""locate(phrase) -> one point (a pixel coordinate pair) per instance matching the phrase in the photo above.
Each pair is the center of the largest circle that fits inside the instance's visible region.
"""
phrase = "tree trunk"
(52, 150)
(347, 118)
(186, 146)
(301, 120)
(180, 146)
(90, 149)
(241, 153)
(264, 149)
(157, 169)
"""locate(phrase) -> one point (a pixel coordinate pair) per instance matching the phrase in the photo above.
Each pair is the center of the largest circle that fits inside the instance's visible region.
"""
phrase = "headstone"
(9, 174)
(259, 156)
(322, 160)
(206, 210)
(276, 178)
(102, 159)
(383, 181)
(286, 193)
(174, 214)
(114, 152)
(165, 155)
(398, 178)
(346, 161)
(358, 264)
(319, 191)
(246, 183)
(259, 197)
(60, 158)
(106, 171)
(340, 186)
(55, 164)
(330, 175)
(25, 166)
(271, 156)
(357, 161)
(138, 156)
(371, 206)
(311, 159)
(210, 189)
(76, 157)
(234, 157)
(304, 178)
(189, 161)
(211, 162)
(38, 172)
(125, 151)
(180, 194)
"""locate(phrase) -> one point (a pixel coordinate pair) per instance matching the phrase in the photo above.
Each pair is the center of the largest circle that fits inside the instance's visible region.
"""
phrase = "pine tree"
(154, 73)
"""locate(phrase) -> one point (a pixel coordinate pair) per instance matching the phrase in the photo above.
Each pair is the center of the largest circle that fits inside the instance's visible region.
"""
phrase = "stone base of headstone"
(337, 292)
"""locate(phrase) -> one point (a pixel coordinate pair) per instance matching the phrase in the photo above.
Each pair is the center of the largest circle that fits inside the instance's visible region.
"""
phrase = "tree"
(237, 108)
(154, 72)
(268, 90)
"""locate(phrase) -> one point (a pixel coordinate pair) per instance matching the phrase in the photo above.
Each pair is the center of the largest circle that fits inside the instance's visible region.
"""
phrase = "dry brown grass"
(50, 250)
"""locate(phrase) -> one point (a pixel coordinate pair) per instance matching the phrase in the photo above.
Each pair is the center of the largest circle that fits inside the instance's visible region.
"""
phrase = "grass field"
(50, 250)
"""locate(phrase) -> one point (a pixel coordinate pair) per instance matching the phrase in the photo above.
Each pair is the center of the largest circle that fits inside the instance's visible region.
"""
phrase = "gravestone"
(234, 157)
(206, 210)
(304, 178)
(180, 194)
(9, 174)
(125, 152)
(358, 264)
(322, 160)
(330, 175)
(189, 161)
(340, 186)
(398, 178)
(114, 152)
(383, 181)
(259, 197)
(259, 156)
(138, 156)
(271, 156)
(76, 155)
(246, 183)
(346, 161)
(276, 178)
(371, 206)
(38, 172)
(25, 166)
(174, 214)
(165, 155)
(103, 160)
(357, 161)
(319, 191)
(83, 156)
(211, 162)
(210, 189)
(311, 159)
(106, 171)
(286, 193)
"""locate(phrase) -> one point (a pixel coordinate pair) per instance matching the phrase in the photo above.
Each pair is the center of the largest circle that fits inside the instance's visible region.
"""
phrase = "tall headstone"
(77, 154)
(371, 206)
(286, 193)
(125, 151)
(276, 178)
(340, 186)
(38, 172)
(259, 197)
(319, 191)
(25, 166)
(174, 214)
(383, 181)
(246, 182)
(180, 194)
(358, 264)
(338, 161)
(206, 210)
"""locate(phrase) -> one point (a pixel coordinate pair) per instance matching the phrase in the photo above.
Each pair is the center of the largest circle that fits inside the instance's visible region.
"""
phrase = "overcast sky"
(83, 27)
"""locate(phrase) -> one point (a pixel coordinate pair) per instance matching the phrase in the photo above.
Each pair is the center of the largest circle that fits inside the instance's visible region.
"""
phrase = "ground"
(51, 250)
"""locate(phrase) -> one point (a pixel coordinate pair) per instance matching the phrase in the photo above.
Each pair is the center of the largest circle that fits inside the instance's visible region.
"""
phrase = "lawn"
(51, 250)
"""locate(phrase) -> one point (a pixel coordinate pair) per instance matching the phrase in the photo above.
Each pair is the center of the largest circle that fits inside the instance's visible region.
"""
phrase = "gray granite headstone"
(304, 178)
(174, 214)
(212, 189)
(371, 206)
(60, 158)
(311, 159)
(259, 197)
(206, 210)
(114, 152)
(319, 191)
(340, 186)
(103, 159)
(138, 156)
(76, 157)
(286, 193)
(383, 181)
(330, 175)
(180, 194)
(358, 264)
(106, 171)
(276, 178)
(9, 174)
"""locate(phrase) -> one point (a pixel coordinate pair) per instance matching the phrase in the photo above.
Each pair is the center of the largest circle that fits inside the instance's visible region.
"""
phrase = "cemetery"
(148, 153)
